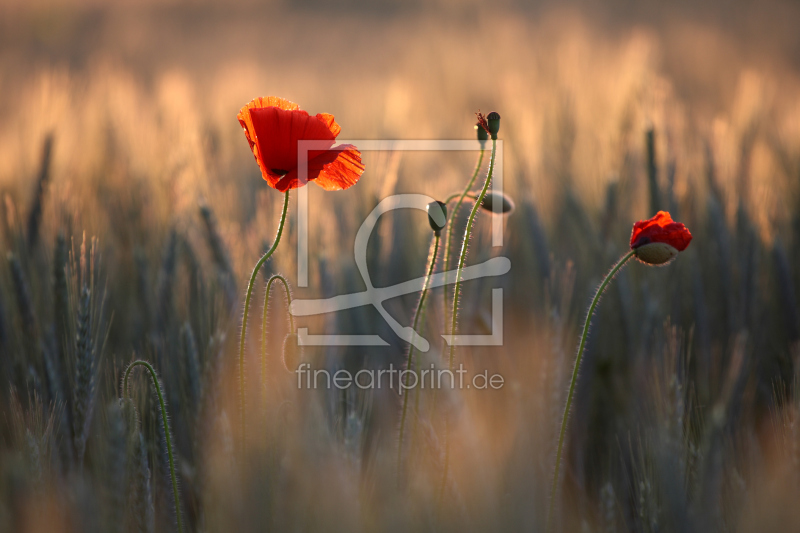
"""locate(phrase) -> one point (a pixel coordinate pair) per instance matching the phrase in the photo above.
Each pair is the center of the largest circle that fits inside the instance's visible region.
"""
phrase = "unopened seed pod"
(497, 203)
(483, 135)
(437, 216)
(493, 120)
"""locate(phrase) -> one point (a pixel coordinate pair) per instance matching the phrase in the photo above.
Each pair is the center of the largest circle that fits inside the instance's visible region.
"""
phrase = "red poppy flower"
(274, 126)
(658, 240)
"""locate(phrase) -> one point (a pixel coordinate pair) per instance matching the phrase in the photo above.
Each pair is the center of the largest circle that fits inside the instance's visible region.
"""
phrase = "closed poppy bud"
(493, 120)
(503, 203)
(292, 352)
(658, 240)
(437, 216)
(483, 135)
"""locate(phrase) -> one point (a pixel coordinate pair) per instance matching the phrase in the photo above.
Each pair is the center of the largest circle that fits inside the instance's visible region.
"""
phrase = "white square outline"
(366, 145)
(304, 146)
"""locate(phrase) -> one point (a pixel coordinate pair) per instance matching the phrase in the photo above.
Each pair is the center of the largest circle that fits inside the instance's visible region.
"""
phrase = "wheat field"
(133, 212)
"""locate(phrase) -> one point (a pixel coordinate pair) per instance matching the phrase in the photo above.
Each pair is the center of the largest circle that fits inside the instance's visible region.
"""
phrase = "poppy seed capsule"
(292, 352)
(656, 253)
(437, 216)
(494, 123)
(503, 203)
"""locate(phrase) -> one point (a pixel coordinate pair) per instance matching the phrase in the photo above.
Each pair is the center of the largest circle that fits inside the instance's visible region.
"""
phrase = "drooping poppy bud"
(437, 216)
(292, 352)
(483, 134)
(504, 204)
(658, 240)
(493, 119)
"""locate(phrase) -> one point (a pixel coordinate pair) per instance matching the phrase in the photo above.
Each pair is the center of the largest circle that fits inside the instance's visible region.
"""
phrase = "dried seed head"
(292, 352)
(437, 216)
(497, 203)
(656, 253)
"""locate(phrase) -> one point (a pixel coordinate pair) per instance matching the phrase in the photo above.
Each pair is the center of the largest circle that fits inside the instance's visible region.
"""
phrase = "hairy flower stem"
(275, 277)
(450, 227)
(417, 316)
(247, 309)
(574, 380)
(456, 294)
(157, 386)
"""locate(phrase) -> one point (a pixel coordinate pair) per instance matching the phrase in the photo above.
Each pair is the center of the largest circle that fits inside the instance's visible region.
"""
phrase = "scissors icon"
(375, 296)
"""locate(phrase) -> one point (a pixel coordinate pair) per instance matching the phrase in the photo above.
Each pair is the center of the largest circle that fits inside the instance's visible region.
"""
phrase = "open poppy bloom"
(658, 240)
(274, 126)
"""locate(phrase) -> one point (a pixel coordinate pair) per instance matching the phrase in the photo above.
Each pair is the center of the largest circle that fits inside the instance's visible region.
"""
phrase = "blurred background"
(133, 212)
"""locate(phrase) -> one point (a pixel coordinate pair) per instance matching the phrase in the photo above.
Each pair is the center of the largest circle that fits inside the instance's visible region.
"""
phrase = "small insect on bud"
(437, 216)
(497, 203)
(493, 120)
(292, 352)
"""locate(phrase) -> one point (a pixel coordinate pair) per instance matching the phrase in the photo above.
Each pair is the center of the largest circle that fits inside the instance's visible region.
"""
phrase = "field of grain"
(133, 212)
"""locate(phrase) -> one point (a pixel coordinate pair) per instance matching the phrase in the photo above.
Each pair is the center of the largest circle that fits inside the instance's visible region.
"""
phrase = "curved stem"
(451, 226)
(574, 380)
(275, 277)
(157, 386)
(417, 314)
(247, 308)
(448, 239)
(456, 293)
(461, 196)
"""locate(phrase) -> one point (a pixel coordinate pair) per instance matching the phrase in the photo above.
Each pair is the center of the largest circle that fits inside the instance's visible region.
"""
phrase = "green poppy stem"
(274, 278)
(247, 309)
(417, 315)
(164, 420)
(451, 226)
(574, 380)
(457, 293)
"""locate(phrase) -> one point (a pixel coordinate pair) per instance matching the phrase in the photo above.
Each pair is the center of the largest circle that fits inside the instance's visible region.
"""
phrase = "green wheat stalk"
(168, 438)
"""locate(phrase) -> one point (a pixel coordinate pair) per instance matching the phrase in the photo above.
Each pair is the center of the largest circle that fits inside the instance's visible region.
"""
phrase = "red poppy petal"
(289, 181)
(333, 170)
(330, 123)
(660, 228)
(341, 172)
(257, 103)
(271, 178)
(278, 132)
